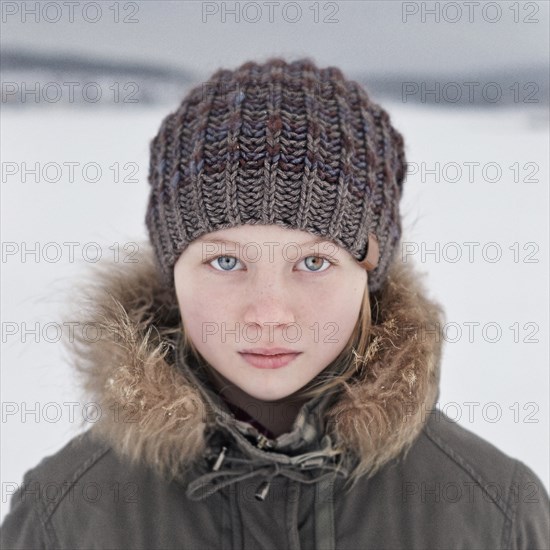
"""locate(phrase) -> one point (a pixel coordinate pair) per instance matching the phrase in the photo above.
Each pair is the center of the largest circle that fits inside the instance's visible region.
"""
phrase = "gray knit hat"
(283, 143)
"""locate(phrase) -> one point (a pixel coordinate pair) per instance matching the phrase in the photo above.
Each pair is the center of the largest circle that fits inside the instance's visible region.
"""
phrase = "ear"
(370, 261)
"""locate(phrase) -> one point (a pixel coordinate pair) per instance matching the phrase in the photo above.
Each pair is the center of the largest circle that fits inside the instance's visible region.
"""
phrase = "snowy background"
(493, 384)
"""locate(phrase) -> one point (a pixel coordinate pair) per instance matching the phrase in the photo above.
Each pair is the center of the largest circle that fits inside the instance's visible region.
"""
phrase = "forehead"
(245, 234)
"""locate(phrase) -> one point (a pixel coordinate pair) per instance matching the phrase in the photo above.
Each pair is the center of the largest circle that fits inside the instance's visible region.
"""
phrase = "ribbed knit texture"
(278, 142)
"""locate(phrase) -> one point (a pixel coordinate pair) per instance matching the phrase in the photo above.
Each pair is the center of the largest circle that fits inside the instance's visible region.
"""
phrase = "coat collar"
(156, 409)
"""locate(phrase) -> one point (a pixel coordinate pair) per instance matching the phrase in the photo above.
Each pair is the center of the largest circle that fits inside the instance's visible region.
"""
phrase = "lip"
(271, 361)
(269, 351)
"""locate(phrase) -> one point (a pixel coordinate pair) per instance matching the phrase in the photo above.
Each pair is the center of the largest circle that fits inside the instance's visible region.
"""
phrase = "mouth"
(275, 361)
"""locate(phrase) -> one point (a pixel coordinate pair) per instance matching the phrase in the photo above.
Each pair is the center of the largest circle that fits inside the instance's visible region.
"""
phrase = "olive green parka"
(167, 466)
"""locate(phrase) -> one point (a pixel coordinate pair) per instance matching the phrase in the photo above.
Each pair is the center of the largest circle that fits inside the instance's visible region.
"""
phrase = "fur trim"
(152, 413)
(381, 415)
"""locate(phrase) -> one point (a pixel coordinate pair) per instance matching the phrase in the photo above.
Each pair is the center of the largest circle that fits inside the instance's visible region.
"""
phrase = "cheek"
(337, 302)
(334, 312)
(204, 311)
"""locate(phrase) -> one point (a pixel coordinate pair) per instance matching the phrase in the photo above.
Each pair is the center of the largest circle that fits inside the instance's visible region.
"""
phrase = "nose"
(269, 303)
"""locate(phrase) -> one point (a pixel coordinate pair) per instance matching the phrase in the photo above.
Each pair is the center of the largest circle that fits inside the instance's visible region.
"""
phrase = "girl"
(267, 371)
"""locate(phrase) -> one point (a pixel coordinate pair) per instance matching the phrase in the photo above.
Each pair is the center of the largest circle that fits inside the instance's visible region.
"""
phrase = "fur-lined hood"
(157, 409)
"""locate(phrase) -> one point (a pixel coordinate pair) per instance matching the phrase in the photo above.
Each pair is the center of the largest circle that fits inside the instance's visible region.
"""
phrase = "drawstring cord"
(241, 469)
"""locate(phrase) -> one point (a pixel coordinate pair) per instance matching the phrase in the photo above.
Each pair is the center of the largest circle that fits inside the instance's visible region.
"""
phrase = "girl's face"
(266, 286)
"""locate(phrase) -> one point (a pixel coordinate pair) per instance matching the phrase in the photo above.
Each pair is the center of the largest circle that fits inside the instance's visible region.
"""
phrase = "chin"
(271, 395)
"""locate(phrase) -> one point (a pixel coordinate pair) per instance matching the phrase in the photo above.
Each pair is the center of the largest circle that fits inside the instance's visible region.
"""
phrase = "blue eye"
(318, 263)
(226, 262)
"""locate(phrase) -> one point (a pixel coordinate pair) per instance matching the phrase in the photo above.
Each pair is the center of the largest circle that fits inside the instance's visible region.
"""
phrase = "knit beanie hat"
(284, 143)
